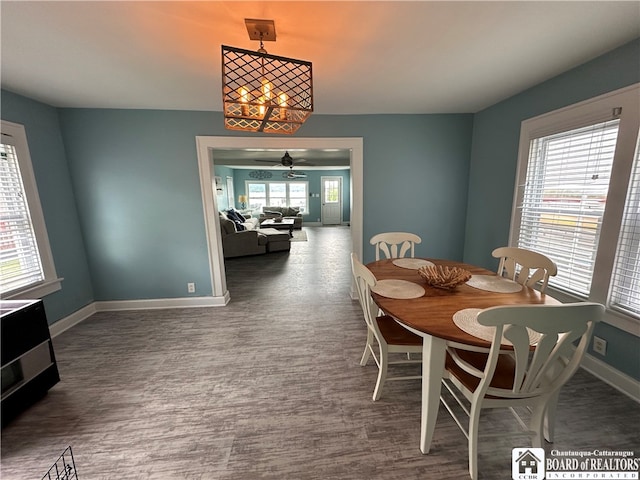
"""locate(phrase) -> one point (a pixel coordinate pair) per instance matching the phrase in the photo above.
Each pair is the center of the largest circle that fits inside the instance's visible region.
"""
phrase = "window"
(26, 262)
(278, 194)
(565, 194)
(331, 191)
(625, 285)
(575, 165)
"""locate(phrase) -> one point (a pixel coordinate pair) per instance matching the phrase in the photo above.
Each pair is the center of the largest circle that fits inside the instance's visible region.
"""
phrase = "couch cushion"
(271, 209)
(273, 213)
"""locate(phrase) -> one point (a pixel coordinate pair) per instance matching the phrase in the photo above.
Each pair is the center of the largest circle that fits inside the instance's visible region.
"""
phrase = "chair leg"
(367, 352)
(550, 417)
(382, 373)
(536, 424)
(474, 422)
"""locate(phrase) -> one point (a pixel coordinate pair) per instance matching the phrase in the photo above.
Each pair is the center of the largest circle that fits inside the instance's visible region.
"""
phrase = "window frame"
(15, 134)
(571, 117)
(288, 193)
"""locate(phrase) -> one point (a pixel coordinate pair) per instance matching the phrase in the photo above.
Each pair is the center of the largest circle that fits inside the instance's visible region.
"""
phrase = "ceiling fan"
(288, 161)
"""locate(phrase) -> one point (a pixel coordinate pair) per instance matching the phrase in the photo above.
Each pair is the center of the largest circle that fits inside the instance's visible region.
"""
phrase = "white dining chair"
(519, 378)
(525, 266)
(384, 334)
(395, 244)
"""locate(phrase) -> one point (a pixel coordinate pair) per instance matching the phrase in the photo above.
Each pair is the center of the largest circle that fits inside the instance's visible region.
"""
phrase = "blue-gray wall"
(121, 192)
(240, 176)
(496, 135)
(58, 201)
(138, 192)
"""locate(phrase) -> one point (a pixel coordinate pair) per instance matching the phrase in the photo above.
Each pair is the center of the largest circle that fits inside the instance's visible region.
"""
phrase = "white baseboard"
(609, 375)
(319, 224)
(76, 317)
(162, 303)
(154, 304)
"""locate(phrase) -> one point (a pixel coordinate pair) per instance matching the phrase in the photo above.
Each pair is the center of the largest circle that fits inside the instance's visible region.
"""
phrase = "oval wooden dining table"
(431, 317)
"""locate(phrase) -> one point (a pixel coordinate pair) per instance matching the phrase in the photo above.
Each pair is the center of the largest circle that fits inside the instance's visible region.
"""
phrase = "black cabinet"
(29, 367)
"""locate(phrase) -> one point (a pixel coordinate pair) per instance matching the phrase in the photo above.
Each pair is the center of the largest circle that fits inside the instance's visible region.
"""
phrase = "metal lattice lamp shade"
(265, 93)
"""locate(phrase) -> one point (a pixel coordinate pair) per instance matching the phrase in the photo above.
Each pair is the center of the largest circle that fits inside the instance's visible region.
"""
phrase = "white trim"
(609, 375)
(113, 306)
(17, 137)
(38, 290)
(211, 221)
(611, 317)
(162, 303)
(72, 320)
(205, 146)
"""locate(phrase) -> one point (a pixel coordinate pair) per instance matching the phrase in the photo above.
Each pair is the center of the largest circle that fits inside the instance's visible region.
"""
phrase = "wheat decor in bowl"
(440, 276)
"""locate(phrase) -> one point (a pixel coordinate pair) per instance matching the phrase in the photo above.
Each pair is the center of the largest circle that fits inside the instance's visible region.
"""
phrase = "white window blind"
(564, 199)
(625, 283)
(20, 263)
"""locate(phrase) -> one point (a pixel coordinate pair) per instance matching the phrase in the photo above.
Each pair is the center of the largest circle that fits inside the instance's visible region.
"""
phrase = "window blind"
(625, 283)
(564, 198)
(19, 256)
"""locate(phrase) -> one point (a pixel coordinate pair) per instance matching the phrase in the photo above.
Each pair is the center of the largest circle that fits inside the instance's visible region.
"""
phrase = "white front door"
(331, 200)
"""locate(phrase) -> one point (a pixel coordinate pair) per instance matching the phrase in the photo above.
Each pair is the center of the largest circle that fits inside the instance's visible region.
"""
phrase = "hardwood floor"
(268, 387)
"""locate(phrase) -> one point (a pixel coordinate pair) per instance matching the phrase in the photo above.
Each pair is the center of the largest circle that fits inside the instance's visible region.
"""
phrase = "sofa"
(242, 238)
(284, 212)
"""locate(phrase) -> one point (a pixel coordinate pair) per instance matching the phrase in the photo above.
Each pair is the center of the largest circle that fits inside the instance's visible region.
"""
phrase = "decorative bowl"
(440, 276)
(278, 219)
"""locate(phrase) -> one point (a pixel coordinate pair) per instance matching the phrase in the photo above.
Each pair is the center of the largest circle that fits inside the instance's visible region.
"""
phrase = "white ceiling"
(368, 57)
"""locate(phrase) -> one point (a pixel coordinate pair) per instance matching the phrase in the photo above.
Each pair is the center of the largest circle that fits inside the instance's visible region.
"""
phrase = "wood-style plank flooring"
(268, 387)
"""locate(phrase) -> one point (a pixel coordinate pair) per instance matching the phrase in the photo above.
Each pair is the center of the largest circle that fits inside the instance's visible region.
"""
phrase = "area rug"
(299, 236)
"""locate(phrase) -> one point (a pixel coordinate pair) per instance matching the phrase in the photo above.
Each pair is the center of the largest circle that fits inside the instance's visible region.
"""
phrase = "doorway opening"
(206, 161)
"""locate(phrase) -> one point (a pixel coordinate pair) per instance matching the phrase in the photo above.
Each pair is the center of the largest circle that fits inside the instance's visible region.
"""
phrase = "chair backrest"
(552, 363)
(364, 280)
(534, 267)
(395, 244)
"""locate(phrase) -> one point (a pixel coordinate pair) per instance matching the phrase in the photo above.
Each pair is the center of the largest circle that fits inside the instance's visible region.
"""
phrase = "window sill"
(38, 290)
(616, 319)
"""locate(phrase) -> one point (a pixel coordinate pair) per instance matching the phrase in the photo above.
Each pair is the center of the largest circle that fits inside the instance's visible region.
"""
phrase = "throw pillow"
(290, 211)
(235, 215)
(237, 219)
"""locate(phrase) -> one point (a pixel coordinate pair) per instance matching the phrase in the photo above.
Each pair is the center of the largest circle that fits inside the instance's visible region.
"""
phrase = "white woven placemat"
(493, 283)
(467, 321)
(401, 289)
(412, 263)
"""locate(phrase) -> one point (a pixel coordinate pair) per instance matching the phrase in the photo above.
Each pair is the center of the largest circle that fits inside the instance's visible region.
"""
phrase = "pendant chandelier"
(262, 92)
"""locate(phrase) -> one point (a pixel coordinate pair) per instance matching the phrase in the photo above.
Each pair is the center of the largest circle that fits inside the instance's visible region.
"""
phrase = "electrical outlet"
(191, 287)
(600, 346)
